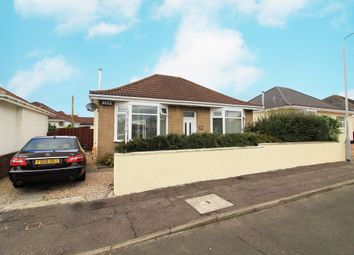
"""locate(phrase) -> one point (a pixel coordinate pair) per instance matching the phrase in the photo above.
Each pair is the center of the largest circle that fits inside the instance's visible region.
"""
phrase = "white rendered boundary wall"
(142, 171)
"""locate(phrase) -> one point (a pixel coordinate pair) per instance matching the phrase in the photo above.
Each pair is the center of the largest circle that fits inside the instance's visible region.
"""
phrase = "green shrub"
(194, 141)
(295, 126)
(107, 160)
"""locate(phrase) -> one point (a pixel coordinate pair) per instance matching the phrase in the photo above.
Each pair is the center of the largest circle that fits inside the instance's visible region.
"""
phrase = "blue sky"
(51, 50)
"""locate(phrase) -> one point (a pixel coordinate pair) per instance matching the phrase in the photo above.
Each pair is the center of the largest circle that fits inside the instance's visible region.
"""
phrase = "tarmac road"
(323, 224)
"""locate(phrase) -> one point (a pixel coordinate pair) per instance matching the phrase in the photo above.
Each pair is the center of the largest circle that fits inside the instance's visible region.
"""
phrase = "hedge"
(194, 141)
(296, 126)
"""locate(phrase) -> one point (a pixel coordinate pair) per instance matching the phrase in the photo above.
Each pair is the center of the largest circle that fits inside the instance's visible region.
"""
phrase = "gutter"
(15, 101)
(171, 102)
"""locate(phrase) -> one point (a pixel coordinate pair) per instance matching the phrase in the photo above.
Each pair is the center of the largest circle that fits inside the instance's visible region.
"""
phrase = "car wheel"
(17, 184)
(82, 177)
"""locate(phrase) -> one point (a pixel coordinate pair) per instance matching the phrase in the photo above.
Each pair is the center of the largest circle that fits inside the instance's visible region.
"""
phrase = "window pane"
(49, 144)
(232, 126)
(144, 126)
(233, 114)
(123, 109)
(341, 121)
(163, 124)
(217, 126)
(121, 127)
(217, 114)
(188, 114)
(164, 110)
(144, 109)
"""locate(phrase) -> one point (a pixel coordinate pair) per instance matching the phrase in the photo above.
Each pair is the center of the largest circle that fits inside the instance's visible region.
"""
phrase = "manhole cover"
(208, 203)
(32, 226)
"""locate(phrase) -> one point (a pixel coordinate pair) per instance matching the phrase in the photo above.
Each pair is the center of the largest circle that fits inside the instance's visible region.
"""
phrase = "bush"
(194, 141)
(295, 126)
(107, 160)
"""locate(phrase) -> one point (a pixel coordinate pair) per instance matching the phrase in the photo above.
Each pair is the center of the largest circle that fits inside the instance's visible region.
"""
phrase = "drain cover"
(32, 226)
(208, 203)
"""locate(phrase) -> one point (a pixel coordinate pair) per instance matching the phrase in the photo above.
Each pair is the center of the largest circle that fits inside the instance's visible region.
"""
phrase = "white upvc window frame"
(130, 117)
(223, 116)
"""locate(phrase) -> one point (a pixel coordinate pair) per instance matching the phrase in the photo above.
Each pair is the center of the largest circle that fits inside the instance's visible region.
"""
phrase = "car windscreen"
(51, 144)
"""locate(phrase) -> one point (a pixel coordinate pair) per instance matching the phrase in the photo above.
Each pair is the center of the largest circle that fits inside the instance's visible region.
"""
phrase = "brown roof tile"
(168, 87)
(6, 92)
(83, 120)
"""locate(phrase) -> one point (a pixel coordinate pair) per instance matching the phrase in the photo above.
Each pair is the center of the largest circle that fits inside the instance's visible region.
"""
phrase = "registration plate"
(46, 161)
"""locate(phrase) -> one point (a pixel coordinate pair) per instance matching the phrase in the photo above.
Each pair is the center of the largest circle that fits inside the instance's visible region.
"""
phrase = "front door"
(189, 123)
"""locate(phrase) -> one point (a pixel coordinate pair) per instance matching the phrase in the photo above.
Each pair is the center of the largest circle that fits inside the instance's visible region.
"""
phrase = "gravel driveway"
(98, 184)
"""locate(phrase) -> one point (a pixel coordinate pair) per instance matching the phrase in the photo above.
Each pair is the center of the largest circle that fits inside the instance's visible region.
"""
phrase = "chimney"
(100, 78)
(263, 99)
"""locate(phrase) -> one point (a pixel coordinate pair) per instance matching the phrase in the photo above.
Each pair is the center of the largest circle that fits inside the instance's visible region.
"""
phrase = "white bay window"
(140, 121)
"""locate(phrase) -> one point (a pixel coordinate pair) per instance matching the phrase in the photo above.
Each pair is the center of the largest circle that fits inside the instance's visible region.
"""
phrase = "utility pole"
(347, 138)
(72, 111)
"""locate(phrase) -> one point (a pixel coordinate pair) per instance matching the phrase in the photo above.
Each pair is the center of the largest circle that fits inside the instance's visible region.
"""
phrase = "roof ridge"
(282, 94)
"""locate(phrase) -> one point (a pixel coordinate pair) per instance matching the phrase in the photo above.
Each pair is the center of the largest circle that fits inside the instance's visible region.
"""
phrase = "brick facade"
(175, 118)
(105, 130)
(105, 125)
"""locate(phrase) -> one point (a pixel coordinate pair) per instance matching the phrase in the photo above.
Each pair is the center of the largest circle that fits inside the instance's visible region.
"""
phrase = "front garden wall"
(142, 171)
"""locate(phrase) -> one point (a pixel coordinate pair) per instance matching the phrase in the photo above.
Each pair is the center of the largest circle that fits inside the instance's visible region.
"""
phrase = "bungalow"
(160, 105)
(285, 98)
(20, 121)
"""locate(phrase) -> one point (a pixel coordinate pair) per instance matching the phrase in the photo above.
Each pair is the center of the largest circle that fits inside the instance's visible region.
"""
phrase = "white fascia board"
(15, 101)
(305, 108)
(171, 102)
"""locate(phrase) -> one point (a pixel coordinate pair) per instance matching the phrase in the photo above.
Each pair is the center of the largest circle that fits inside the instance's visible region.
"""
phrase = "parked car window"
(44, 144)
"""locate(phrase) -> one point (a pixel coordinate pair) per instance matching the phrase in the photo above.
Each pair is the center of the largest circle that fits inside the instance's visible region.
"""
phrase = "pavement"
(98, 184)
(85, 226)
(322, 224)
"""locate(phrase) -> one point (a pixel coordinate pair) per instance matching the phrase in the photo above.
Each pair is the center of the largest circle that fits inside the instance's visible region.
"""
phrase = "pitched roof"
(6, 92)
(11, 97)
(167, 87)
(281, 96)
(84, 120)
(339, 102)
(56, 115)
(60, 115)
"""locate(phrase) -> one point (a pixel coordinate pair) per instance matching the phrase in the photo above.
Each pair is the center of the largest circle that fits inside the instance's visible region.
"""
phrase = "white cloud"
(207, 54)
(75, 15)
(210, 54)
(47, 71)
(276, 12)
(103, 29)
(267, 12)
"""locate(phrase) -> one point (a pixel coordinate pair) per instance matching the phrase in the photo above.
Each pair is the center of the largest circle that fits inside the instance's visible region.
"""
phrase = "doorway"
(189, 123)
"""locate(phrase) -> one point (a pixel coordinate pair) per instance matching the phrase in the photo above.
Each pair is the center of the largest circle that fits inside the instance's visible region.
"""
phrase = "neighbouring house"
(339, 102)
(20, 121)
(285, 98)
(160, 105)
(83, 121)
(62, 120)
